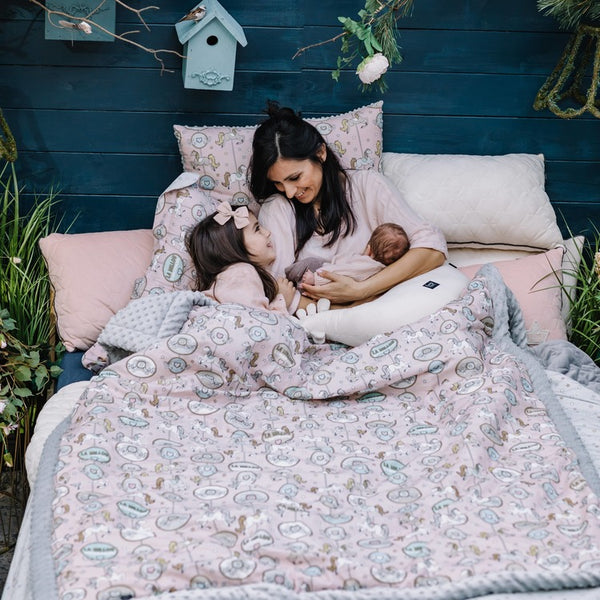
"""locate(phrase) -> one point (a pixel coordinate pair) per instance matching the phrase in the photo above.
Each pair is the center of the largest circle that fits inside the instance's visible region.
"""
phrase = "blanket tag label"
(431, 284)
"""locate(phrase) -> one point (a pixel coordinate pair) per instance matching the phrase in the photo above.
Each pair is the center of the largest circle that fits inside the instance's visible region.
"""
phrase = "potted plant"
(26, 333)
(585, 306)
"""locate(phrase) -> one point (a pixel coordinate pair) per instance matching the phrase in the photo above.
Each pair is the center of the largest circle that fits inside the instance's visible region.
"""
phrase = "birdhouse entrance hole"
(212, 40)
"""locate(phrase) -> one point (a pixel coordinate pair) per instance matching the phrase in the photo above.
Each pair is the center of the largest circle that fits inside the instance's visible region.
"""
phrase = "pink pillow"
(214, 162)
(536, 282)
(221, 154)
(92, 275)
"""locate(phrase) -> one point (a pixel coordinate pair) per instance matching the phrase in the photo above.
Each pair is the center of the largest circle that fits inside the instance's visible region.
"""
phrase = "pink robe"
(375, 200)
(241, 284)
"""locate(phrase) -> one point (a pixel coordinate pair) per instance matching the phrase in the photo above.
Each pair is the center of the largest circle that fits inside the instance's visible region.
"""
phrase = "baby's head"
(388, 243)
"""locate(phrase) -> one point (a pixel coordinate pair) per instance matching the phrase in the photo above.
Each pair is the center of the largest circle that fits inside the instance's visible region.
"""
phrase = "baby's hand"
(308, 277)
(286, 288)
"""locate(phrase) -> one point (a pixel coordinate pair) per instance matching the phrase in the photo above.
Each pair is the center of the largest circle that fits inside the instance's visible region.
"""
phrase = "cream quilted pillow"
(479, 201)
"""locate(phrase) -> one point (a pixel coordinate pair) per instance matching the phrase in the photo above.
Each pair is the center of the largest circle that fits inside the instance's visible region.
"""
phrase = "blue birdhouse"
(72, 29)
(210, 36)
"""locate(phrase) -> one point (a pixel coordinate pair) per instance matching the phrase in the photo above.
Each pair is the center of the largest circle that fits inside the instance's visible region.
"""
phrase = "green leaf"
(34, 356)
(22, 373)
(361, 33)
(23, 392)
(375, 43)
(8, 459)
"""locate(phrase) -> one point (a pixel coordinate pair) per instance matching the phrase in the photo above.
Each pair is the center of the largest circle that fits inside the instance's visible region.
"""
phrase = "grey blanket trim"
(566, 358)
(42, 575)
(509, 336)
(148, 319)
(474, 587)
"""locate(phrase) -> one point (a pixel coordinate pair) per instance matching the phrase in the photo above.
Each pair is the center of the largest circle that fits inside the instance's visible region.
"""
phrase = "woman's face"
(300, 179)
(257, 241)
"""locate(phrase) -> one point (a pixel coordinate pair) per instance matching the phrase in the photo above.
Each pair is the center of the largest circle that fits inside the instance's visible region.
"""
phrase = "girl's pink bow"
(225, 212)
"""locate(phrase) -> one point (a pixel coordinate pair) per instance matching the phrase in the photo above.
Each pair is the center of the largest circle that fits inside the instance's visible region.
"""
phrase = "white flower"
(372, 68)
(15, 260)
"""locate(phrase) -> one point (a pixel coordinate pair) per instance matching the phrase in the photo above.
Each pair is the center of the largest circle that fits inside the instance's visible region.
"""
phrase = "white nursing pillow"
(406, 302)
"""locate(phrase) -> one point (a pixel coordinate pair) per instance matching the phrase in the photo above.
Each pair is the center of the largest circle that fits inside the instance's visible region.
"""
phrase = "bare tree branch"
(85, 24)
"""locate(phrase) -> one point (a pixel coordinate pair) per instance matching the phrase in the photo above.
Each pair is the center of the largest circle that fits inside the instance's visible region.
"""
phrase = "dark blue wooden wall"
(95, 118)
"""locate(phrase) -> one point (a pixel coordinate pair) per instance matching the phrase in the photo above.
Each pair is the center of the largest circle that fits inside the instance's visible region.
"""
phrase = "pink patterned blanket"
(236, 456)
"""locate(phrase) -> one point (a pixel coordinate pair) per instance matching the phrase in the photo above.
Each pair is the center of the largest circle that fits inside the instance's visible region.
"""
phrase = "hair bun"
(275, 111)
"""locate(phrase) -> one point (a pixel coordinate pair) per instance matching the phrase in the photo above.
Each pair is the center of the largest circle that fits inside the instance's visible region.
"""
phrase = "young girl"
(231, 253)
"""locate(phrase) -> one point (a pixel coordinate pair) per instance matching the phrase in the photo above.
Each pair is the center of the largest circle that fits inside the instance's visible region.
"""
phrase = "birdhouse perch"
(209, 35)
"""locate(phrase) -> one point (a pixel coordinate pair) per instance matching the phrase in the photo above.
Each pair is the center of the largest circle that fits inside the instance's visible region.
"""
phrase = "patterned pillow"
(215, 161)
(222, 154)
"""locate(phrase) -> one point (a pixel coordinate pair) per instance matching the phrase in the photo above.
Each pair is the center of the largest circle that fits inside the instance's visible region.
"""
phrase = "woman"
(315, 208)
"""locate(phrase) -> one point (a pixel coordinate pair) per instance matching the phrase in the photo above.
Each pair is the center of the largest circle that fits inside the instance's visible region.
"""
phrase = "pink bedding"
(236, 453)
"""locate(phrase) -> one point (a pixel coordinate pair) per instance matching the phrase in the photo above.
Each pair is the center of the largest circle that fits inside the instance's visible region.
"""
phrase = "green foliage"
(585, 307)
(26, 367)
(570, 13)
(8, 147)
(24, 283)
(375, 31)
(23, 374)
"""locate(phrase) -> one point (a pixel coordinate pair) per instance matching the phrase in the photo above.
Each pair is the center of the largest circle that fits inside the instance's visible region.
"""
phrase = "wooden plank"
(269, 48)
(485, 15)
(94, 175)
(117, 132)
(273, 48)
(84, 214)
(99, 174)
(419, 93)
(449, 51)
(578, 219)
(574, 182)
(139, 89)
(480, 135)
(410, 93)
(254, 13)
(152, 133)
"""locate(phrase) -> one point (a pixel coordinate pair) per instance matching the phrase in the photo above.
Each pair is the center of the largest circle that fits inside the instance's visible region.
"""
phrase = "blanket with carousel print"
(236, 459)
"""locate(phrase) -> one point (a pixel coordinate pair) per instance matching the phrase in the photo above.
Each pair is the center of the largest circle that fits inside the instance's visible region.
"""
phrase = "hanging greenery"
(575, 81)
(571, 13)
(371, 40)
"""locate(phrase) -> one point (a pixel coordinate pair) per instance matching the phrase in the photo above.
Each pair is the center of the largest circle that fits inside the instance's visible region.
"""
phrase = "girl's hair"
(284, 134)
(214, 247)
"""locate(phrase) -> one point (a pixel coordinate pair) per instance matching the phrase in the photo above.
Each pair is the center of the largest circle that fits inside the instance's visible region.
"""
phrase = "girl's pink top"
(241, 284)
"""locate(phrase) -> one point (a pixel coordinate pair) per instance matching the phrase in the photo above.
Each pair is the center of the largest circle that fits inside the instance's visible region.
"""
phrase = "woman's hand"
(344, 290)
(286, 288)
(341, 289)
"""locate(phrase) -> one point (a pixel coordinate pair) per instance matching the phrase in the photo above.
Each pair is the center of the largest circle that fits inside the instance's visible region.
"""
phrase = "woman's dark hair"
(284, 134)
(214, 247)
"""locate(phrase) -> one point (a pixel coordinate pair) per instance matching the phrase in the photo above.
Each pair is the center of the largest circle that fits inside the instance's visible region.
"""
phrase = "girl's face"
(300, 179)
(257, 241)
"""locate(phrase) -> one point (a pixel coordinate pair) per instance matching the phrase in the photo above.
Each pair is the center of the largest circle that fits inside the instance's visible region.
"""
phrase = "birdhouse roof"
(188, 29)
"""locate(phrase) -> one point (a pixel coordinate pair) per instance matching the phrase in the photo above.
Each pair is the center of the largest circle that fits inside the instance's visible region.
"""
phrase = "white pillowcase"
(405, 303)
(479, 201)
